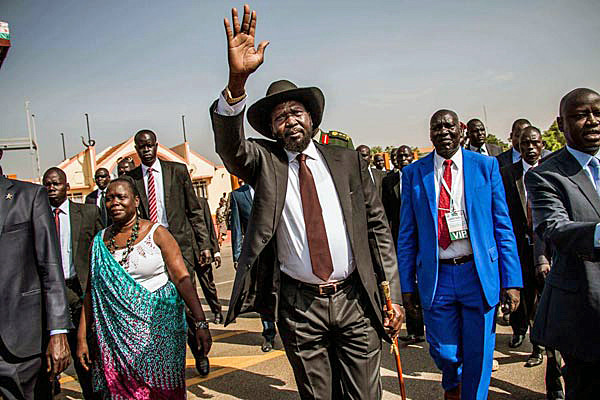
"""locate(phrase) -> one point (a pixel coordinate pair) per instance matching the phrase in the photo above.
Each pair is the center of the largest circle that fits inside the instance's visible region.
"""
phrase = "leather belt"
(456, 260)
(326, 289)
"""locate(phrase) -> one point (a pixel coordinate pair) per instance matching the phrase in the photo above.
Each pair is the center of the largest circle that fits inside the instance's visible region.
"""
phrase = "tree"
(492, 139)
(553, 138)
(376, 150)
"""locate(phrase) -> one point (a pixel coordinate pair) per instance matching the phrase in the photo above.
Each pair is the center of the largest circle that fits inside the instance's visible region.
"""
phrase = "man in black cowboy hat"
(317, 243)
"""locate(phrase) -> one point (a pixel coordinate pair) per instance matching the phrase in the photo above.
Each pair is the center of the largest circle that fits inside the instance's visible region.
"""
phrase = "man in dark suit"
(565, 199)
(376, 174)
(167, 197)
(102, 178)
(477, 136)
(391, 198)
(241, 208)
(34, 309)
(530, 146)
(76, 226)
(456, 245)
(318, 242)
(205, 272)
(512, 155)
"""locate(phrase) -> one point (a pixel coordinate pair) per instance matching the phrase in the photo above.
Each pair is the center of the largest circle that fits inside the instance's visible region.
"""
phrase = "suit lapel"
(427, 175)
(75, 218)
(396, 184)
(138, 177)
(468, 183)
(5, 203)
(167, 173)
(517, 173)
(339, 174)
(247, 195)
(573, 170)
(280, 166)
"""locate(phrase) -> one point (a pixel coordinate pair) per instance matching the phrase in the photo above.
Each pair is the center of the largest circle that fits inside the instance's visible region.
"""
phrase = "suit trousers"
(554, 388)
(18, 377)
(522, 318)
(581, 378)
(207, 283)
(461, 331)
(414, 322)
(330, 340)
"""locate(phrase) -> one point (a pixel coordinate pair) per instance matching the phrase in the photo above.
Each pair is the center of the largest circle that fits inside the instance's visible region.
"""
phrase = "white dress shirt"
(65, 240)
(292, 245)
(159, 189)
(100, 192)
(526, 167)
(457, 248)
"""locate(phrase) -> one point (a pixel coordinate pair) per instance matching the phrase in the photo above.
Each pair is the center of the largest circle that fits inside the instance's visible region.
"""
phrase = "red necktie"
(152, 197)
(318, 245)
(444, 206)
(57, 221)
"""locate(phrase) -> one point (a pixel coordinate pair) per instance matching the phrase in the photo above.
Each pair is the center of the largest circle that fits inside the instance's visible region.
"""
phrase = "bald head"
(404, 156)
(445, 132)
(579, 119)
(365, 152)
(476, 133)
(55, 181)
(55, 170)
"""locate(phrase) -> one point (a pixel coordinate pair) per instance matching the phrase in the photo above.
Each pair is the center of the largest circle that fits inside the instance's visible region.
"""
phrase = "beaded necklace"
(112, 245)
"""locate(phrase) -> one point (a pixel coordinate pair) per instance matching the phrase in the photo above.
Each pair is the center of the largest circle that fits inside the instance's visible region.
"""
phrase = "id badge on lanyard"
(456, 219)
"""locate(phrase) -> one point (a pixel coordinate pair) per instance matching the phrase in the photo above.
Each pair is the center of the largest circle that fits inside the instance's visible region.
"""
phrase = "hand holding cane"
(385, 287)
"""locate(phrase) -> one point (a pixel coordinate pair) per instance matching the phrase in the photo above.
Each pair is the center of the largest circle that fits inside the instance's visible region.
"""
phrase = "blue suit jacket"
(490, 228)
(241, 207)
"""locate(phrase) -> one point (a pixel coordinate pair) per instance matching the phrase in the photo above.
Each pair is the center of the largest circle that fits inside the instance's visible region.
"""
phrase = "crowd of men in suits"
(457, 234)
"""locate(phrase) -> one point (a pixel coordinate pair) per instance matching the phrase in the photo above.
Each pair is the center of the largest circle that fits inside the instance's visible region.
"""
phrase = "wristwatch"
(202, 324)
(232, 100)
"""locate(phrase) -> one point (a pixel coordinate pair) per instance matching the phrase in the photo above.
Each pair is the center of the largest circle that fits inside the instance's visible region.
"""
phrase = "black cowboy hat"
(259, 113)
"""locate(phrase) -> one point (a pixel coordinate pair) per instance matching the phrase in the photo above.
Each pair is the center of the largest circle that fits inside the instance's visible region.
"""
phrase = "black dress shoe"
(218, 319)
(535, 359)
(516, 341)
(408, 338)
(419, 339)
(267, 345)
(203, 366)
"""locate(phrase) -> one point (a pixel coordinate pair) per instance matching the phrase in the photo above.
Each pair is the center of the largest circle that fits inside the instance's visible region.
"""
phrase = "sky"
(384, 66)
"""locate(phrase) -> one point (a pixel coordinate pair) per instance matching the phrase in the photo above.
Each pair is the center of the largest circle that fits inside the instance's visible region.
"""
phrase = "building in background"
(209, 179)
(4, 41)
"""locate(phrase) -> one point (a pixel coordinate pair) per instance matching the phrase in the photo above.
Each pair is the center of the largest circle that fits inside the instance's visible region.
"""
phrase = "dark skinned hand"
(204, 340)
(542, 271)
(512, 298)
(217, 261)
(392, 326)
(205, 257)
(58, 355)
(242, 57)
(83, 354)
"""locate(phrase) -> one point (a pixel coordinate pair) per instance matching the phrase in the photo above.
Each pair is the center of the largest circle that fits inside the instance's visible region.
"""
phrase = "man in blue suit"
(462, 252)
(241, 207)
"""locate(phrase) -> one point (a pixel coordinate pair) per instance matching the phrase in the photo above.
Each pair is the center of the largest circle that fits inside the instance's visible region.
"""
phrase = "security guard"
(336, 138)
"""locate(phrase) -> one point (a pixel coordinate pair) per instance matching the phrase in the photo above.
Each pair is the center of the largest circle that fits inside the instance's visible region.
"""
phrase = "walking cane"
(385, 287)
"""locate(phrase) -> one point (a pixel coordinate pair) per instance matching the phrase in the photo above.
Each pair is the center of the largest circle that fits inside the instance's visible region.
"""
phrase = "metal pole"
(485, 115)
(28, 119)
(37, 157)
(62, 135)
(183, 123)
(87, 121)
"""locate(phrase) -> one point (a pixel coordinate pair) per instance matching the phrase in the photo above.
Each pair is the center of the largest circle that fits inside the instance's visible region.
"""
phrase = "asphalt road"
(240, 370)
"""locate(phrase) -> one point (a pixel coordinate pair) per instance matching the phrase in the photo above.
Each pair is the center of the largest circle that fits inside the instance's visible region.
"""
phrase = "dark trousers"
(269, 330)
(207, 283)
(18, 377)
(330, 340)
(554, 389)
(414, 321)
(522, 318)
(581, 378)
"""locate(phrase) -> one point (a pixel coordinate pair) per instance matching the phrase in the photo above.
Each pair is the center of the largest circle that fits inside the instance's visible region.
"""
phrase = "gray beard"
(296, 147)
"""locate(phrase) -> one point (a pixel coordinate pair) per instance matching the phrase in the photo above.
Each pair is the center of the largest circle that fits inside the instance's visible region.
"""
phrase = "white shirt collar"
(310, 150)
(64, 207)
(481, 149)
(156, 167)
(457, 159)
(527, 166)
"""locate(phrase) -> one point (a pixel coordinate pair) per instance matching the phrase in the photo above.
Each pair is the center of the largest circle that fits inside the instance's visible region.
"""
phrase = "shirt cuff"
(217, 254)
(228, 110)
(597, 236)
(58, 332)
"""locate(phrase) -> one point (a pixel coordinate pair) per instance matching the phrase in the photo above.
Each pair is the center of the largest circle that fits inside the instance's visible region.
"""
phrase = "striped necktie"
(152, 207)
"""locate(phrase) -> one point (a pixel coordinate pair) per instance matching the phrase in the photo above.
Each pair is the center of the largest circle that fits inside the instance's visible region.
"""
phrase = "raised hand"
(242, 57)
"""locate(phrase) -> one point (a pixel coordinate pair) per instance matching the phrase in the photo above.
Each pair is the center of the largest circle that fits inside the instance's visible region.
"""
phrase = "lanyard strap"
(450, 192)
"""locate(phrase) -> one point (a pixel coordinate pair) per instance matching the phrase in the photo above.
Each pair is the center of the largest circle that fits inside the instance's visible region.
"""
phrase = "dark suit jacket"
(566, 209)
(505, 158)
(390, 187)
(493, 150)
(32, 287)
(378, 176)
(85, 223)
(184, 212)
(264, 165)
(241, 207)
(92, 199)
(208, 221)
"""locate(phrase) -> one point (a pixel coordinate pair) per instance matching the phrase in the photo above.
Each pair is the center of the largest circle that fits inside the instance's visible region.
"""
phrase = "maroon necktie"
(152, 208)
(444, 206)
(318, 245)
(57, 222)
